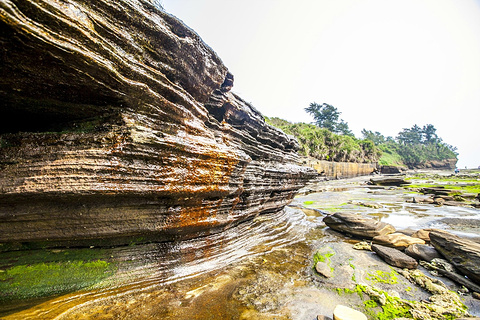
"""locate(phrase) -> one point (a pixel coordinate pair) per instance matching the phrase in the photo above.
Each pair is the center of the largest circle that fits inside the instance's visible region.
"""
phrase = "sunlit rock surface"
(117, 125)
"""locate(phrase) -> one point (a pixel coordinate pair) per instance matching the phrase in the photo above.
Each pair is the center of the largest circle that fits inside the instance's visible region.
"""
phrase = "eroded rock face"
(117, 123)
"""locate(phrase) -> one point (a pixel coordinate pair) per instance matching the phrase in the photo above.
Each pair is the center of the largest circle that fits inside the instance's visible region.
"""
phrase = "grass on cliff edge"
(42, 273)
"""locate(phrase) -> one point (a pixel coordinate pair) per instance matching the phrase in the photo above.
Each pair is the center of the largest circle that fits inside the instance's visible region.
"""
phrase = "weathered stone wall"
(118, 124)
(339, 170)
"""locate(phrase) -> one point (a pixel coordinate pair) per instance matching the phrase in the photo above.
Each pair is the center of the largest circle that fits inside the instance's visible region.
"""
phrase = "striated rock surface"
(464, 254)
(438, 164)
(358, 225)
(117, 123)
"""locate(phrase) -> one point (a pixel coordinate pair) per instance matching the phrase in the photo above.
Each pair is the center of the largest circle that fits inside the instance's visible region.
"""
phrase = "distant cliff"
(118, 124)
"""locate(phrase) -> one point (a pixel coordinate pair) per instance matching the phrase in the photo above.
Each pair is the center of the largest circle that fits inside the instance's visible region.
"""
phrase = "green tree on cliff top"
(328, 117)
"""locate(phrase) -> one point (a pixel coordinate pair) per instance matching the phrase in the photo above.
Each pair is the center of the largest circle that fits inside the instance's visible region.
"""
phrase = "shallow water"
(261, 269)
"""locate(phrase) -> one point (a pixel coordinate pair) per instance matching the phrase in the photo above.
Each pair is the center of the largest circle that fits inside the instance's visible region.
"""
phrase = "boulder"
(424, 234)
(446, 198)
(345, 313)
(397, 240)
(389, 181)
(394, 257)
(422, 252)
(392, 169)
(357, 225)
(464, 254)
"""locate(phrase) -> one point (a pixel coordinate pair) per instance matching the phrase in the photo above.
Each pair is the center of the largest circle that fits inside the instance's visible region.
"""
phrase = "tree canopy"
(415, 134)
(412, 146)
(328, 117)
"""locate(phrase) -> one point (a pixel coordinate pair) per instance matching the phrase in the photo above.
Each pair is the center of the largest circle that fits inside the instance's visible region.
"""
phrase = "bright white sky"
(385, 64)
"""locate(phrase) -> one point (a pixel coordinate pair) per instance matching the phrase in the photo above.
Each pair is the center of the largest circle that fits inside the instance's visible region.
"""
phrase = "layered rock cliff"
(118, 124)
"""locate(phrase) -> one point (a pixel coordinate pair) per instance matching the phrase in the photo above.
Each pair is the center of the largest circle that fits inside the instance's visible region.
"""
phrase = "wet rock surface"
(118, 125)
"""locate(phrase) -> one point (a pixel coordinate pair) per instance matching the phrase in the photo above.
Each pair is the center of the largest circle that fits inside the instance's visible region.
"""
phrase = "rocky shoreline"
(426, 258)
(446, 255)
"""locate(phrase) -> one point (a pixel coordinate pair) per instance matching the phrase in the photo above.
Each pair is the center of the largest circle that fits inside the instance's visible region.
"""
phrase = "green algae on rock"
(41, 273)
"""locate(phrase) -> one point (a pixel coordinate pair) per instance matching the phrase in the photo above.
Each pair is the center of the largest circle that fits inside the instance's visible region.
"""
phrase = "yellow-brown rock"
(424, 234)
(117, 123)
(397, 240)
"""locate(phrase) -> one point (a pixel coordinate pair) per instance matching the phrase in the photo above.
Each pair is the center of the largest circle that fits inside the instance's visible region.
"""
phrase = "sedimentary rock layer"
(464, 254)
(118, 124)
